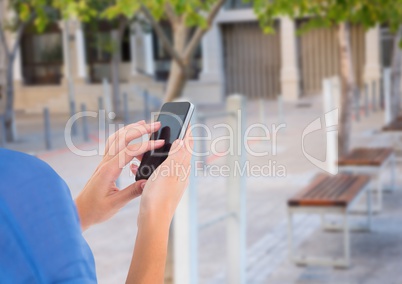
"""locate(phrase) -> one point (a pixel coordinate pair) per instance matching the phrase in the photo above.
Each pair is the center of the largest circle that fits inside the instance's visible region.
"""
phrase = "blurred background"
(285, 64)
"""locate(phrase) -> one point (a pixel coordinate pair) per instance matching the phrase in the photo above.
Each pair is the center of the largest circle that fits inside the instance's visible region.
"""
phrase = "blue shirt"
(40, 234)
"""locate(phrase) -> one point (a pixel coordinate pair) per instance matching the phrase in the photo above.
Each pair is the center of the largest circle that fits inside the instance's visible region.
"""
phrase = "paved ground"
(376, 256)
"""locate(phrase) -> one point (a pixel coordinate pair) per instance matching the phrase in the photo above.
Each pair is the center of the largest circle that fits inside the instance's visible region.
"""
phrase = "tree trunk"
(396, 75)
(348, 88)
(178, 76)
(177, 81)
(11, 134)
(114, 64)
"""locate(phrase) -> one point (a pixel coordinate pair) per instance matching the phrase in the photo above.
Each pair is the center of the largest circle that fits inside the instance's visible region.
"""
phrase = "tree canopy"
(329, 13)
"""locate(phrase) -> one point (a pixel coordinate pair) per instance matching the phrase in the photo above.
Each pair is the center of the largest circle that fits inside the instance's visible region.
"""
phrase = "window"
(237, 4)
(99, 48)
(42, 56)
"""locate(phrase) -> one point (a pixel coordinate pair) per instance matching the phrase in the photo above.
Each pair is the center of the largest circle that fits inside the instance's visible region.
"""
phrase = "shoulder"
(17, 161)
(20, 166)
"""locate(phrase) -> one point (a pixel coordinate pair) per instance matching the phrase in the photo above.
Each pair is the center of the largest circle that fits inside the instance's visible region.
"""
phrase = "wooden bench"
(373, 162)
(395, 125)
(330, 195)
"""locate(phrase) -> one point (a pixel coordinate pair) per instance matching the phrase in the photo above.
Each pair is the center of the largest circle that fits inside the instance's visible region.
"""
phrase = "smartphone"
(175, 118)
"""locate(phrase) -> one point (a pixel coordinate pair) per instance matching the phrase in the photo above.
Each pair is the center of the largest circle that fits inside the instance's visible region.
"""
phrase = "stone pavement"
(376, 256)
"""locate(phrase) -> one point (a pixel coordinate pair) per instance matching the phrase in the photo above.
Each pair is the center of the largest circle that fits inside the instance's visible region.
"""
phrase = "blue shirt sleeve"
(40, 234)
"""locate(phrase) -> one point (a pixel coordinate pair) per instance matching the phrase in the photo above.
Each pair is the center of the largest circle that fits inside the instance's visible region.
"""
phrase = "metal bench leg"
(369, 210)
(290, 234)
(393, 172)
(323, 223)
(304, 260)
(346, 241)
(379, 190)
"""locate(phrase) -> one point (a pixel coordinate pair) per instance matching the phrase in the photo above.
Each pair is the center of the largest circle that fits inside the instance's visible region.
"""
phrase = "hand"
(165, 187)
(101, 199)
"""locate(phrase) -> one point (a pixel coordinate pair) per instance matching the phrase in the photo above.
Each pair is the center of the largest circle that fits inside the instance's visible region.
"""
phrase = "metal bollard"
(280, 109)
(366, 100)
(202, 143)
(147, 111)
(125, 106)
(357, 104)
(72, 112)
(85, 131)
(2, 131)
(100, 103)
(48, 140)
(374, 96)
(382, 96)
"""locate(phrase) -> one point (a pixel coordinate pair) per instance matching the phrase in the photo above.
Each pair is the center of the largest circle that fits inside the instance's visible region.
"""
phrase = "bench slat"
(366, 157)
(326, 190)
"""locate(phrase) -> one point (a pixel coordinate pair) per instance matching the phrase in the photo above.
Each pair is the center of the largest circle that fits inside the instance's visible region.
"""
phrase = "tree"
(91, 13)
(339, 14)
(182, 16)
(15, 17)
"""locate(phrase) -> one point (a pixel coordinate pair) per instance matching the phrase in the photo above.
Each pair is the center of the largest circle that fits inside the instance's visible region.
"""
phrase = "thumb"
(130, 192)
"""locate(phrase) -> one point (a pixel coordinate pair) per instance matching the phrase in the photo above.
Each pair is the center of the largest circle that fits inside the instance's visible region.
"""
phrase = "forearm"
(150, 251)
(83, 214)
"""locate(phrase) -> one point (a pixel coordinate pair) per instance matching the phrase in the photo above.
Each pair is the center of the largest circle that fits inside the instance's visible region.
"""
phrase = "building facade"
(234, 57)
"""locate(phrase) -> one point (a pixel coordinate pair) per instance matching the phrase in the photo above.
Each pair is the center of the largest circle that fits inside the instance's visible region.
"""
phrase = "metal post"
(378, 208)
(374, 96)
(382, 103)
(369, 211)
(387, 96)
(125, 106)
(393, 172)
(202, 144)
(68, 73)
(236, 195)
(290, 234)
(262, 110)
(147, 111)
(331, 118)
(346, 239)
(2, 131)
(72, 112)
(85, 131)
(100, 103)
(281, 113)
(46, 117)
(107, 97)
(366, 100)
(357, 104)
(185, 231)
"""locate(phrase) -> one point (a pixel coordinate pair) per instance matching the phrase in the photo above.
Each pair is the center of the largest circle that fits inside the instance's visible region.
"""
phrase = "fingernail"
(160, 141)
(143, 185)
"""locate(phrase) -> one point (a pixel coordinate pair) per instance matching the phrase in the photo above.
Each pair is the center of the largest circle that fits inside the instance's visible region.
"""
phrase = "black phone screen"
(171, 126)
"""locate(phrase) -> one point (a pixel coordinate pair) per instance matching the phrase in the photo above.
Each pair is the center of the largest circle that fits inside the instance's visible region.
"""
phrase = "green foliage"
(327, 13)
(193, 11)
(39, 12)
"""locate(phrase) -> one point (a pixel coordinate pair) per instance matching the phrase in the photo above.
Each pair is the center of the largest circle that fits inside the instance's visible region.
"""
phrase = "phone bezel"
(176, 108)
